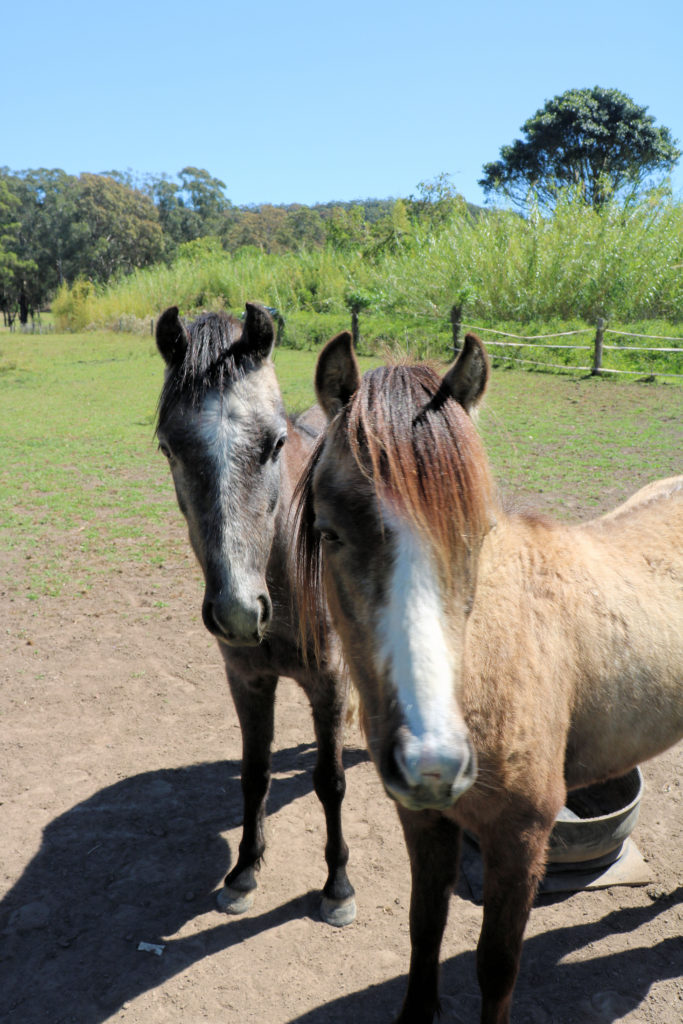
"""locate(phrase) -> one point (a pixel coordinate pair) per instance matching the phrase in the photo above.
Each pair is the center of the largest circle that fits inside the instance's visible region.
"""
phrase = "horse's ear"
(172, 337)
(258, 335)
(337, 374)
(467, 378)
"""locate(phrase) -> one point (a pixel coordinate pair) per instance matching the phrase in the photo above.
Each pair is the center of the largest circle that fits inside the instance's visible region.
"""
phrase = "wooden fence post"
(597, 353)
(456, 321)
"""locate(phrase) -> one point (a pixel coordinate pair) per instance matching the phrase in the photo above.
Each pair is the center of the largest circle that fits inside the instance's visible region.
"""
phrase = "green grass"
(77, 420)
(84, 490)
(576, 444)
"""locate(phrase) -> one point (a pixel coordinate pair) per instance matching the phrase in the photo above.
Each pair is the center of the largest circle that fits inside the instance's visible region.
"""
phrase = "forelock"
(423, 455)
(212, 360)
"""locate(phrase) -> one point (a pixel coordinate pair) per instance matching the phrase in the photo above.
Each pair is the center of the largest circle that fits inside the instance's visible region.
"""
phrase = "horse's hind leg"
(254, 703)
(433, 843)
(512, 873)
(338, 906)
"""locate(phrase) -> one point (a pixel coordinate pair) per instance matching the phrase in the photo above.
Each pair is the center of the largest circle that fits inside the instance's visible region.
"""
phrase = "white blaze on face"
(413, 648)
(222, 426)
(226, 428)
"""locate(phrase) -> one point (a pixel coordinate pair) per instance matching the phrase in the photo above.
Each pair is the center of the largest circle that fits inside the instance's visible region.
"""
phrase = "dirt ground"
(121, 812)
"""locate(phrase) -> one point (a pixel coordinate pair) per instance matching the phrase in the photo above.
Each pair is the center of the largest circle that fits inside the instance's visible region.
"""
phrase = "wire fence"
(664, 361)
(512, 350)
(598, 348)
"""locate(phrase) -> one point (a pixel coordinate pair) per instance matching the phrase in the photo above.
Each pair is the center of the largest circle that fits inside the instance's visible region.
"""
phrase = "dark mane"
(422, 454)
(307, 553)
(212, 358)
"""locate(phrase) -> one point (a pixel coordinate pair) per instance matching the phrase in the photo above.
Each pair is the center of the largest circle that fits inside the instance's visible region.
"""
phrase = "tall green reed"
(620, 262)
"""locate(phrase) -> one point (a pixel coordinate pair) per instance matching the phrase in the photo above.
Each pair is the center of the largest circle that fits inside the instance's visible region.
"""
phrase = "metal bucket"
(592, 828)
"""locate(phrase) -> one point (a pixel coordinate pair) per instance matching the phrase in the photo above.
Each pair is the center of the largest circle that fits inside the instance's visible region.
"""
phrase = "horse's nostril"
(236, 621)
(207, 615)
(394, 767)
(265, 612)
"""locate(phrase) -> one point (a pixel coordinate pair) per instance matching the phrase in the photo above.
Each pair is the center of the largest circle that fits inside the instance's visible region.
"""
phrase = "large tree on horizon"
(597, 140)
(61, 227)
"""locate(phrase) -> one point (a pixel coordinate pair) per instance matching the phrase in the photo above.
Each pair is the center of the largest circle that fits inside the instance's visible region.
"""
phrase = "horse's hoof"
(338, 913)
(235, 901)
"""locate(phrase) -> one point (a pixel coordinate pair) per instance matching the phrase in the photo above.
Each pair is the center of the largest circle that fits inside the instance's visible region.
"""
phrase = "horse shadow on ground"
(550, 989)
(139, 859)
(132, 863)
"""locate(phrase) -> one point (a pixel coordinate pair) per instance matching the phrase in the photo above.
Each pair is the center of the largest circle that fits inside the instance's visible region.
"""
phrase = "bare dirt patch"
(121, 812)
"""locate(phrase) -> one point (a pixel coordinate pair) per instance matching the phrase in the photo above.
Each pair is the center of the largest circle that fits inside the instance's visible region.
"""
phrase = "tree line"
(57, 228)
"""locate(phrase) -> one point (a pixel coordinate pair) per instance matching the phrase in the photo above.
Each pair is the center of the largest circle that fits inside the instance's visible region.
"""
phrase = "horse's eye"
(330, 537)
(278, 446)
(165, 450)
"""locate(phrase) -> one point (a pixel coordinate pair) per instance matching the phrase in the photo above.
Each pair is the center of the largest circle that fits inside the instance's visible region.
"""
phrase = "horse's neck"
(528, 558)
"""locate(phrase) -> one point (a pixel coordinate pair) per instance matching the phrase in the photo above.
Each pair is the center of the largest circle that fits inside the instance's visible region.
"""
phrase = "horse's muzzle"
(424, 775)
(237, 623)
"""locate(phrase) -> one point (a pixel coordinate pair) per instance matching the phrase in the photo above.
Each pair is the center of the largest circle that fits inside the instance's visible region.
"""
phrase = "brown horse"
(235, 457)
(500, 659)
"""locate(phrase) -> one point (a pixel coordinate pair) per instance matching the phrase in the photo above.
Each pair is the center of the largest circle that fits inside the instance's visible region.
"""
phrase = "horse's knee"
(329, 783)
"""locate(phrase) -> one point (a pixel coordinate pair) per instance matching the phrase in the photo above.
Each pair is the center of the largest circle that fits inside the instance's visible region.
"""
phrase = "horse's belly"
(606, 746)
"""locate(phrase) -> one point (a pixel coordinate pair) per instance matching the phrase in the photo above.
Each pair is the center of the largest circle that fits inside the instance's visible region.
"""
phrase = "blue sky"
(308, 102)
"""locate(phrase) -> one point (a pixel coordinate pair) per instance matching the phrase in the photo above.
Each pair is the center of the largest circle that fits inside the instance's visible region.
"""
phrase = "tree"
(205, 196)
(390, 233)
(257, 226)
(11, 267)
(435, 201)
(193, 208)
(346, 229)
(303, 228)
(597, 140)
(65, 227)
(117, 228)
(44, 212)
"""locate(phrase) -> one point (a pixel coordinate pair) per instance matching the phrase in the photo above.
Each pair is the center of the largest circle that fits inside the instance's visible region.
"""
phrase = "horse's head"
(222, 426)
(392, 514)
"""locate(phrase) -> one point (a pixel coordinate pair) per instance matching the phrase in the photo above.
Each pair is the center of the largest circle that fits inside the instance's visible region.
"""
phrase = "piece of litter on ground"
(151, 947)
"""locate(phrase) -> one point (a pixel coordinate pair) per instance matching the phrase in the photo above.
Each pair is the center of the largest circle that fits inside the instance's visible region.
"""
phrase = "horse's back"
(653, 499)
(646, 531)
(640, 547)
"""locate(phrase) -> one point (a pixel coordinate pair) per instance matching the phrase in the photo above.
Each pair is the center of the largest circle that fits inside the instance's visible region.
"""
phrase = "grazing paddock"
(120, 808)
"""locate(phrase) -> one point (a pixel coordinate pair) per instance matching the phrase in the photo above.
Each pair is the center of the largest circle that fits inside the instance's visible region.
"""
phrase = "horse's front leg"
(433, 843)
(338, 906)
(513, 870)
(254, 703)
